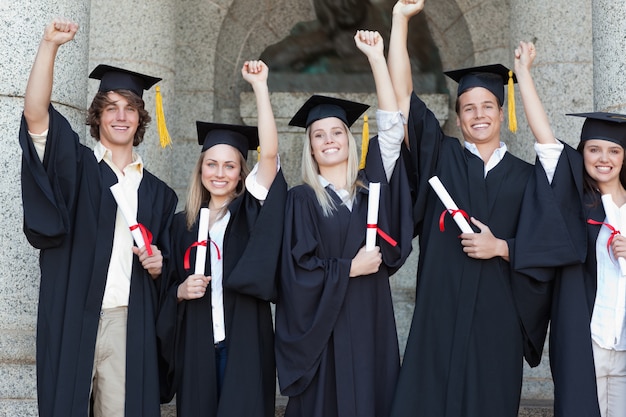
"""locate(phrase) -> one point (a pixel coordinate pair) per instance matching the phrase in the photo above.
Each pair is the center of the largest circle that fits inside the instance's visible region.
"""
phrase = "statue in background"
(325, 47)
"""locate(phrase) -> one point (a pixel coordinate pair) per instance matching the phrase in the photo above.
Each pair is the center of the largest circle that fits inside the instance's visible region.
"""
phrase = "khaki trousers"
(611, 380)
(108, 377)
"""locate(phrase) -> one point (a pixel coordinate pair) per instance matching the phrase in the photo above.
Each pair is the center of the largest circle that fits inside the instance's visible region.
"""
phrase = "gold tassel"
(164, 136)
(365, 140)
(258, 153)
(511, 104)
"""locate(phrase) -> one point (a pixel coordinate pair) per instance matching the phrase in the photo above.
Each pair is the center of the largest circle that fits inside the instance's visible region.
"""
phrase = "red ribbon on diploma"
(384, 235)
(193, 245)
(452, 213)
(613, 230)
(147, 236)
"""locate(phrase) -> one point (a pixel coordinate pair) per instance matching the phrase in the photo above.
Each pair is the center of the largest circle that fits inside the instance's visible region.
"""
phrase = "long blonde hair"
(310, 171)
(198, 196)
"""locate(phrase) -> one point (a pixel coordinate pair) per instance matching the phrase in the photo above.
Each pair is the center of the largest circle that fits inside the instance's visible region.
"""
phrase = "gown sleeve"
(551, 234)
(257, 275)
(171, 312)
(552, 225)
(49, 187)
(395, 206)
(425, 138)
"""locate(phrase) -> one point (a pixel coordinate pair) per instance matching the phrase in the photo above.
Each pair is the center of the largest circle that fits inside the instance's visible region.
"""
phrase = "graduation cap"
(113, 78)
(493, 78)
(320, 107)
(604, 126)
(243, 138)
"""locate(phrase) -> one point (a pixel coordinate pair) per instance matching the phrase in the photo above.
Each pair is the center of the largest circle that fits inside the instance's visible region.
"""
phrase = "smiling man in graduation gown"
(467, 341)
(96, 342)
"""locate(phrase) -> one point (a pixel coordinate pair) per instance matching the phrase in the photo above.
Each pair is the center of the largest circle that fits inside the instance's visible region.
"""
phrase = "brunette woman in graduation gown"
(215, 327)
(570, 241)
(336, 342)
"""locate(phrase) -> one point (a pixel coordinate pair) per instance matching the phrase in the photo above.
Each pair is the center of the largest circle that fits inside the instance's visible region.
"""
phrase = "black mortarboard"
(604, 126)
(320, 107)
(112, 78)
(241, 137)
(492, 77)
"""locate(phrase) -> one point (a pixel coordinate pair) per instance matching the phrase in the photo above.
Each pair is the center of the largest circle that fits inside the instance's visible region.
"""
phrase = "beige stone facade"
(198, 47)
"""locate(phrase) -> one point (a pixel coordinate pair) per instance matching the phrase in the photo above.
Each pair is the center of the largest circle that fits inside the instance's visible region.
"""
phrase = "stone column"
(563, 69)
(609, 59)
(563, 74)
(140, 36)
(21, 27)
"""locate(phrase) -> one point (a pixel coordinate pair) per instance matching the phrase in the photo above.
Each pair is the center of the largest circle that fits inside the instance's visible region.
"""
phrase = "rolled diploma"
(203, 235)
(129, 215)
(372, 215)
(449, 204)
(616, 223)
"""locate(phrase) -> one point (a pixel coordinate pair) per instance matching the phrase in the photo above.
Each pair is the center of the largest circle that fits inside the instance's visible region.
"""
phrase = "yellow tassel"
(164, 136)
(511, 104)
(258, 153)
(365, 140)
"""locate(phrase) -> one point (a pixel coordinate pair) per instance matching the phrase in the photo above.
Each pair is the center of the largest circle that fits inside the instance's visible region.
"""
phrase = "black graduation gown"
(69, 213)
(464, 353)
(250, 260)
(560, 246)
(336, 342)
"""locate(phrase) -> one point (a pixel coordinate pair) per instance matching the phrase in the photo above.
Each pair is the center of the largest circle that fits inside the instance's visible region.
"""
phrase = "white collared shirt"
(496, 156)
(117, 289)
(216, 233)
(607, 323)
(344, 195)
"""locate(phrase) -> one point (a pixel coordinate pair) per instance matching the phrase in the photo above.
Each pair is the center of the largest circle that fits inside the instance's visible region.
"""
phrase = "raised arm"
(390, 127)
(256, 72)
(39, 87)
(371, 44)
(398, 58)
(535, 113)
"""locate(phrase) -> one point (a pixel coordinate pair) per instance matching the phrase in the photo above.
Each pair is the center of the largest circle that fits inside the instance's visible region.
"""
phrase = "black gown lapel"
(494, 180)
(356, 225)
(104, 239)
(477, 187)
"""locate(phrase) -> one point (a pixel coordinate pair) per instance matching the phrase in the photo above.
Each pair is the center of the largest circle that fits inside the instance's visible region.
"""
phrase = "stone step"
(17, 346)
(536, 408)
(528, 408)
(17, 381)
(18, 408)
(28, 408)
